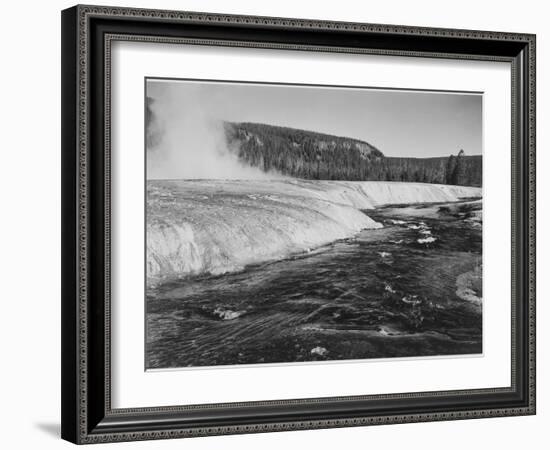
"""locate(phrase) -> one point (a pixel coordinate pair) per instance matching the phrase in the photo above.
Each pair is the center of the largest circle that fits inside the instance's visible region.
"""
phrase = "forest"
(318, 156)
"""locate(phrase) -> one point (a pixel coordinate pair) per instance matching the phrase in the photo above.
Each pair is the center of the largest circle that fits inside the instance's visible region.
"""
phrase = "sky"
(397, 122)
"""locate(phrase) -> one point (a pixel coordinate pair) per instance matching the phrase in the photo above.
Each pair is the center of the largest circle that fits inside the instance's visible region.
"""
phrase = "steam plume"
(186, 137)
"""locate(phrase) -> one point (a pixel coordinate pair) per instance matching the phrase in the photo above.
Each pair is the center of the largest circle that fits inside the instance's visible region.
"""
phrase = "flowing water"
(411, 288)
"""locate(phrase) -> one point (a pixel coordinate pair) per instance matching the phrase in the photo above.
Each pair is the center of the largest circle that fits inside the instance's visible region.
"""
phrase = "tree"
(312, 155)
(459, 173)
(450, 169)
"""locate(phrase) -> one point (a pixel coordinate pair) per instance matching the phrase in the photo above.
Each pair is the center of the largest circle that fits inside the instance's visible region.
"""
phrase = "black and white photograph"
(306, 223)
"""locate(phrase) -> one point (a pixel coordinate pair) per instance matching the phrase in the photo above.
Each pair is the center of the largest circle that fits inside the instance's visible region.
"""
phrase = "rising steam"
(186, 136)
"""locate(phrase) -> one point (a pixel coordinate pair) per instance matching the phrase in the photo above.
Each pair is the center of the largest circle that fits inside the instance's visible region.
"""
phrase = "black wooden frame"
(87, 32)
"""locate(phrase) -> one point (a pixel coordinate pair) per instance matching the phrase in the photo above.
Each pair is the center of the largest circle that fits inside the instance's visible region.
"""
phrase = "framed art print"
(278, 224)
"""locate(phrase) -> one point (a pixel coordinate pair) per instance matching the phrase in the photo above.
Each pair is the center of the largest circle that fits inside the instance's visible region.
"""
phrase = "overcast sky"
(399, 123)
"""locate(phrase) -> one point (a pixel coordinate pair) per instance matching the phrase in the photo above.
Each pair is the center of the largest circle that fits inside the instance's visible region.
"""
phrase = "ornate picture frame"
(88, 33)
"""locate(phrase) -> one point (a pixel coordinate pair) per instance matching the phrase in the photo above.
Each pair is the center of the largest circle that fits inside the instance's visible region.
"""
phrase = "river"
(409, 289)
